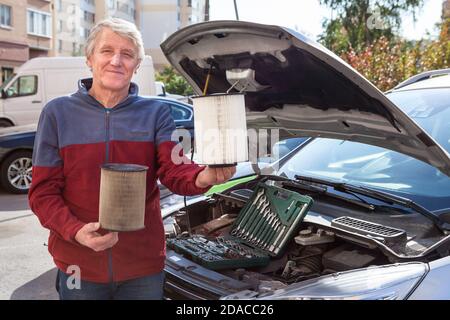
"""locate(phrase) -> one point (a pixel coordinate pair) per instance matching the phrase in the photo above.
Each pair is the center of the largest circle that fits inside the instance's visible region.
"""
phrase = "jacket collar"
(85, 84)
(83, 93)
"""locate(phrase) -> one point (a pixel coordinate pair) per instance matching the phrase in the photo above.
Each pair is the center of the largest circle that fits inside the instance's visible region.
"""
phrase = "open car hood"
(296, 85)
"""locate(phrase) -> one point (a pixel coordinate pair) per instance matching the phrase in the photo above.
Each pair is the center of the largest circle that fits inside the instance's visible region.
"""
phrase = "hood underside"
(296, 85)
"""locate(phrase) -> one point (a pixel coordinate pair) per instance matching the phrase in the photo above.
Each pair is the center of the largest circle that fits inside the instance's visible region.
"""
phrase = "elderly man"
(106, 121)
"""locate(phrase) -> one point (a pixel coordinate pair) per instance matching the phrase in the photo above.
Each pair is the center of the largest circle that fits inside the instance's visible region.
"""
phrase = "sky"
(307, 16)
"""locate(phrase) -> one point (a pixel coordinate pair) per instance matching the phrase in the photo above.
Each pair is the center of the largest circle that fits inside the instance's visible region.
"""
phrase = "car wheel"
(15, 172)
(5, 123)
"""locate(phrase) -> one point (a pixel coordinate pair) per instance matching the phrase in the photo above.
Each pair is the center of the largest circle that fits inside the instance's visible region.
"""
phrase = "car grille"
(177, 289)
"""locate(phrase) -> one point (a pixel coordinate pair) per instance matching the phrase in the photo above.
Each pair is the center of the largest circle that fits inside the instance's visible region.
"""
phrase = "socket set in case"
(263, 228)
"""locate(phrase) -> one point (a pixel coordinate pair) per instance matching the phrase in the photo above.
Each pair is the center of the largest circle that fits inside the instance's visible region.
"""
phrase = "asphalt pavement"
(26, 268)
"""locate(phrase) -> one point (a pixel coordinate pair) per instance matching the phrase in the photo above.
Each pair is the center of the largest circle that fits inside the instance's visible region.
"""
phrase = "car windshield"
(361, 164)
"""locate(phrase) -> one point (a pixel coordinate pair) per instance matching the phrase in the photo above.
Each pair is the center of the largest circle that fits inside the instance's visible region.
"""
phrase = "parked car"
(41, 79)
(377, 172)
(161, 92)
(16, 148)
(182, 114)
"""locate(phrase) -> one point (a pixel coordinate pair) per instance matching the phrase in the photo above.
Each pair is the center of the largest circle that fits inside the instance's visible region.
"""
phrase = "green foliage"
(377, 53)
(173, 82)
(360, 22)
(386, 64)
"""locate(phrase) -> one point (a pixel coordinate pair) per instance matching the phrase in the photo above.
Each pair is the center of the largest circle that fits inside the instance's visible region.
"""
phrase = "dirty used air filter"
(220, 129)
(122, 196)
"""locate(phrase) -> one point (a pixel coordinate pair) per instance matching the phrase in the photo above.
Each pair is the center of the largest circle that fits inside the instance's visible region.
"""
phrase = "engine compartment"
(317, 249)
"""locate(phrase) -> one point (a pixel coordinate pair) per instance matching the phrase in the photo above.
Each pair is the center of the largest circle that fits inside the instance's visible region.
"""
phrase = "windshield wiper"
(378, 195)
(323, 191)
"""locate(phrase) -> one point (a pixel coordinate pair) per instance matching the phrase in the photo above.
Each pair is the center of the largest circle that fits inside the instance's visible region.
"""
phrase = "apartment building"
(156, 19)
(25, 32)
(73, 20)
(160, 18)
(32, 28)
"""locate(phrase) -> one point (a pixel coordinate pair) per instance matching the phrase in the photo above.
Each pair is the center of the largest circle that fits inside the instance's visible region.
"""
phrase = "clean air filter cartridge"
(220, 129)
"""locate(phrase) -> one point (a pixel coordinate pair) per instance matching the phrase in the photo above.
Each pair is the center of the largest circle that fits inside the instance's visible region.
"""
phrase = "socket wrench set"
(263, 228)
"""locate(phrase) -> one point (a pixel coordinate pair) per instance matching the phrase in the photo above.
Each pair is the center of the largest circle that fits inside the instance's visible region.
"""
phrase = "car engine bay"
(330, 239)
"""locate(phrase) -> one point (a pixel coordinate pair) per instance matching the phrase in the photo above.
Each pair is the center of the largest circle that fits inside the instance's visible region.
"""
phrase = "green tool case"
(263, 228)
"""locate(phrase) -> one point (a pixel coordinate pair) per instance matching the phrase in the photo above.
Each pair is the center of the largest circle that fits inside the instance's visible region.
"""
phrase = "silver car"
(377, 170)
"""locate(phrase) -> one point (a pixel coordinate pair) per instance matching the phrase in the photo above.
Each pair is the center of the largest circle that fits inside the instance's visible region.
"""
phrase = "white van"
(41, 79)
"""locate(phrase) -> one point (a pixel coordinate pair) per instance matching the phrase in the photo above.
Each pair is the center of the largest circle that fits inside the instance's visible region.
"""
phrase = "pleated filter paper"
(220, 129)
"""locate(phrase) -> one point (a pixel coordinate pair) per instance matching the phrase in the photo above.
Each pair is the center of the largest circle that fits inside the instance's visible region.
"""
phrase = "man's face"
(113, 61)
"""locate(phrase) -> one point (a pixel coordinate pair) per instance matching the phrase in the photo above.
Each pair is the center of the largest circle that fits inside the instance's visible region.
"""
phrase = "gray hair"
(121, 27)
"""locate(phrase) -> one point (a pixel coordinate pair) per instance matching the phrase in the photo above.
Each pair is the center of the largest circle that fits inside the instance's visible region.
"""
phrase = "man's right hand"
(89, 237)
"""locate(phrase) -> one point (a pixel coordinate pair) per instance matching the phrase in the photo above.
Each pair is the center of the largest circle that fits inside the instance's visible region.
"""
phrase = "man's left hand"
(211, 176)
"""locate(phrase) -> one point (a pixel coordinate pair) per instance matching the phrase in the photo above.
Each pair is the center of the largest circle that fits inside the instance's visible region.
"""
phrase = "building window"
(58, 4)
(84, 33)
(111, 4)
(39, 23)
(45, 30)
(89, 17)
(60, 46)
(6, 73)
(5, 15)
(60, 25)
(123, 7)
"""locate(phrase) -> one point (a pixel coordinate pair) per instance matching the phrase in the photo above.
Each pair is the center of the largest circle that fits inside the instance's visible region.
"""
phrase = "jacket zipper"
(107, 134)
(110, 263)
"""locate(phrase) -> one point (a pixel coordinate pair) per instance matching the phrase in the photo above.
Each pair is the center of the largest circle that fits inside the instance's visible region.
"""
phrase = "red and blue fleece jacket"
(75, 136)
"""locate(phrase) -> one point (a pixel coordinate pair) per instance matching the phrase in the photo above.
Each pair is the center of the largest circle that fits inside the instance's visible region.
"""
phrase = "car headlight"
(391, 282)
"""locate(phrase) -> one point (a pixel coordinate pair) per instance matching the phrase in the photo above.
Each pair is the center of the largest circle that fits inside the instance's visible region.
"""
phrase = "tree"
(359, 22)
(173, 82)
(386, 64)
